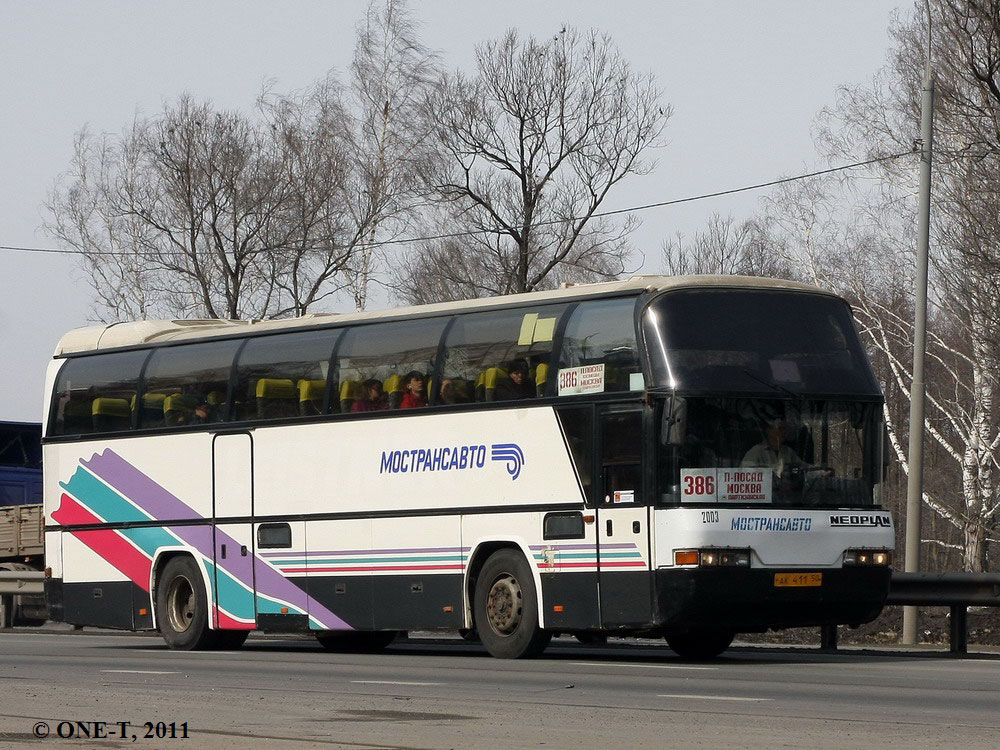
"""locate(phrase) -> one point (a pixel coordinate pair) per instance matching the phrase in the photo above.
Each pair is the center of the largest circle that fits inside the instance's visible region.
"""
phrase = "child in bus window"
(373, 397)
(413, 395)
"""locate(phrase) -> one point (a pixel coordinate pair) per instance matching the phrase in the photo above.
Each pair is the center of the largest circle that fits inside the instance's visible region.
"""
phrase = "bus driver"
(772, 452)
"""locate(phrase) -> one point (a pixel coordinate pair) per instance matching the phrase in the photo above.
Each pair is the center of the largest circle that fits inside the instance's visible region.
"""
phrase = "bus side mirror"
(674, 428)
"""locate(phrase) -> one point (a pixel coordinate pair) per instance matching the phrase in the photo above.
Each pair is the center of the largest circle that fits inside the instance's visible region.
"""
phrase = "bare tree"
(389, 145)
(727, 247)
(532, 144)
(199, 212)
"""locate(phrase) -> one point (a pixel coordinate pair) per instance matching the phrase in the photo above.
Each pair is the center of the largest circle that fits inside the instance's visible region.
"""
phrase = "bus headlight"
(877, 557)
(712, 558)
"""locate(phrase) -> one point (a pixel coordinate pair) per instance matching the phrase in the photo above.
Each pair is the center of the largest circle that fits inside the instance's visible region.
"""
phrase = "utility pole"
(915, 456)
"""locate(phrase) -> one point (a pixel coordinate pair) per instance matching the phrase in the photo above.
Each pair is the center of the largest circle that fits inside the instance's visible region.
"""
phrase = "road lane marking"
(134, 671)
(393, 682)
(713, 698)
(638, 666)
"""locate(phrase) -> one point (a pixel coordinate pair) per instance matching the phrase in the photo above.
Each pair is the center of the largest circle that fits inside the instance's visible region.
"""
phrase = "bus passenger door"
(622, 520)
(232, 506)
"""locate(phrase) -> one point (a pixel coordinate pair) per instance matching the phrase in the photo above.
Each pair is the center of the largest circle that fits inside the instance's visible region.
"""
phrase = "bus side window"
(602, 332)
(283, 375)
(194, 379)
(500, 355)
(96, 394)
(391, 358)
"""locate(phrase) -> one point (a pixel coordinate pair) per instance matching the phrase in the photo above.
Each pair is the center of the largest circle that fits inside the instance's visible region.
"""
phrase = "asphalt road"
(287, 693)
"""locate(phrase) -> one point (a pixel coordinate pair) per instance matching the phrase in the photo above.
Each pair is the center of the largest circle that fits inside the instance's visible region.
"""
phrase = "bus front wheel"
(182, 606)
(706, 644)
(505, 608)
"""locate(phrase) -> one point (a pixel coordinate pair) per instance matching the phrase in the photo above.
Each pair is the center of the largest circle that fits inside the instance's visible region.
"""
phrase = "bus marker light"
(143, 612)
(557, 608)
(737, 558)
(588, 518)
(284, 610)
(865, 557)
(449, 608)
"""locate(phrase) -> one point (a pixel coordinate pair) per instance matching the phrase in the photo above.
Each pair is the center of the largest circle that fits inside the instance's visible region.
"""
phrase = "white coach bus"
(686, 457)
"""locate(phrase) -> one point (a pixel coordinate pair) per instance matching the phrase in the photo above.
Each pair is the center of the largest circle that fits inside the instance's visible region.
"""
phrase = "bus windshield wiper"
(774, 386)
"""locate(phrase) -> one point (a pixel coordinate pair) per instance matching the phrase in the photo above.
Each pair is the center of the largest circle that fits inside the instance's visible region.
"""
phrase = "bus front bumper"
(747, 600)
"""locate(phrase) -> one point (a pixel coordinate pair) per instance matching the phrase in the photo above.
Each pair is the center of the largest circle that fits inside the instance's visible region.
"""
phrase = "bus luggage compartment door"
(232, 507)
(623, 523)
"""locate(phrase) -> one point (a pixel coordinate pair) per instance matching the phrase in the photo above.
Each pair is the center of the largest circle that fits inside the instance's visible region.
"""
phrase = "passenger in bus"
(202, 413)
(450, 392)
(518, 383)
(373, 398)
(413, 396)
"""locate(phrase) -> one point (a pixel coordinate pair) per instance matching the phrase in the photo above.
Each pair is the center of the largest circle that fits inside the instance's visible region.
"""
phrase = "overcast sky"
(745, 80)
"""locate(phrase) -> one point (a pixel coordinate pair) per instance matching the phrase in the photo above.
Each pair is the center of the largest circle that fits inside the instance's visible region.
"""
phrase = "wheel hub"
(504, 605)
(180, 604)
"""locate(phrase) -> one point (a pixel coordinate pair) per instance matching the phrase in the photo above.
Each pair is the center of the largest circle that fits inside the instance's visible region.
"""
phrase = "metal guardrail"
(18, 582)
(958, 591)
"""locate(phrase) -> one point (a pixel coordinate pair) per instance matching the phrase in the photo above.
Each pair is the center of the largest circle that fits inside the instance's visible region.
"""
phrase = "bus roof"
(115, 335)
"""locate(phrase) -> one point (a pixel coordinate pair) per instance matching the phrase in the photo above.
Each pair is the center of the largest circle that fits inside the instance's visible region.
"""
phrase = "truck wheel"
(21, 609)
(182, 606)
(505, 608)
(701, 644)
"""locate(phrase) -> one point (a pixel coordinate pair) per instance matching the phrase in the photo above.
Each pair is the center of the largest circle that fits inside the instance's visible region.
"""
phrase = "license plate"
(798, 579)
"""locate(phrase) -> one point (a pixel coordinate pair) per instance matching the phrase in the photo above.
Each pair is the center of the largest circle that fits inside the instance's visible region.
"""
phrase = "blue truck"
(21, 517)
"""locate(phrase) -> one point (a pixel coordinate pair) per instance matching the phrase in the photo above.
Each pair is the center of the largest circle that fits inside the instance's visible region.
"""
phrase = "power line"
(477, 232)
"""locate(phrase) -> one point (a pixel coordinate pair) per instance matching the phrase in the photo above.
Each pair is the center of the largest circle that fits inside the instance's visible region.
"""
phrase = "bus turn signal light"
(686, 557)
(713, 558)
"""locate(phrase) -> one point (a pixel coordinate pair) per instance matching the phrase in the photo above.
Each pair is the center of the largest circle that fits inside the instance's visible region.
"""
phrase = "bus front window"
(751, 451)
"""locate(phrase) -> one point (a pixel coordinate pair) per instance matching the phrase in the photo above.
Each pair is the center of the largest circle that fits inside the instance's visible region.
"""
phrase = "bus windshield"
(748, 451)
(755, 341)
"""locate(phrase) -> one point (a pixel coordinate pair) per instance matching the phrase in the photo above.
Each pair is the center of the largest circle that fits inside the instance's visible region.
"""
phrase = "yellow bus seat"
(311, 393)
(491, 377)
(151, 413)
(111, 414)
(178, 409)
(480, 387)
(276, 398)
(541, 375)
(350, 391)
(393, 389)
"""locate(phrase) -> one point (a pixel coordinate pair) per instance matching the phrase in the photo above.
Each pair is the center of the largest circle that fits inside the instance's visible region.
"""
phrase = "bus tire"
(505, 608)
(356, 642)
(700, 645)
(182, 606)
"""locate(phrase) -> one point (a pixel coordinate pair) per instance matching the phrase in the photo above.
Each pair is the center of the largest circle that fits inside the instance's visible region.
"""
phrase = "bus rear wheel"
(505, 608)
(705, 644)
(352, 641)
(182, 607)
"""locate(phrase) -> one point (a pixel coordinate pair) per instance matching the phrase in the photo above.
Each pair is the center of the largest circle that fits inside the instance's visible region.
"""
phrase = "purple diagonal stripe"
(162, 505)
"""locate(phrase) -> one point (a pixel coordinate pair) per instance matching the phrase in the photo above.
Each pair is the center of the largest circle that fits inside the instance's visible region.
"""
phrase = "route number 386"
(699, 485)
